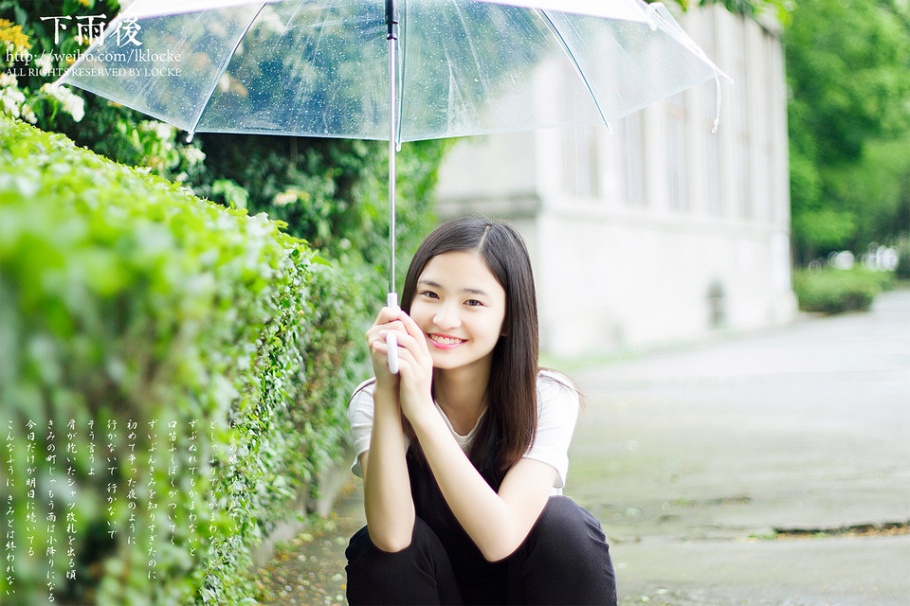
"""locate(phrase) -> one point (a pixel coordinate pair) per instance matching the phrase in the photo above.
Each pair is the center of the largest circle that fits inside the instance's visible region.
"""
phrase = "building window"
(763, 145)
(778, 151)
(627, 133)
(741, 117)
(676, 148)
(711, 180)
(582, 165)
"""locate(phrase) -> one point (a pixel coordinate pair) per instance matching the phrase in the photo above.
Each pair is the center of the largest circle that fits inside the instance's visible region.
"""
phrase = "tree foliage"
(751, 8)
(848, 65)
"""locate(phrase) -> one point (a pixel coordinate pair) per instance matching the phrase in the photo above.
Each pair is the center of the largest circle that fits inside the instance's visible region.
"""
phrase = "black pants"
(564, 560)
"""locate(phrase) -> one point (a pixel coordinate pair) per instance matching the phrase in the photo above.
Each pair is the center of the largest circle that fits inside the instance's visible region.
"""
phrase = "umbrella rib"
(401, 71)
(574, 60)
(208, 97)
(672, 28)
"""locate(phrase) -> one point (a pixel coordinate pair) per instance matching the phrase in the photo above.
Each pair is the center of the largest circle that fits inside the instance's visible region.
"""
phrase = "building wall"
(658, 230)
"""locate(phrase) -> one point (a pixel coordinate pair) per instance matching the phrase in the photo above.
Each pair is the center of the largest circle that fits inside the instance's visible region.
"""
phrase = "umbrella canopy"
(320, 67)
(402, 70)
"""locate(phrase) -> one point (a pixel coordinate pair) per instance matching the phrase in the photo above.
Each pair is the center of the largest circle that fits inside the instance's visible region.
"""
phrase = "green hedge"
(833, 290)
(173, 374)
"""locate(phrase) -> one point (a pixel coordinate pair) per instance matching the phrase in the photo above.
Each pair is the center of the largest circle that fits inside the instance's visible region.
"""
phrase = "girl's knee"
(565, 522)
(361, 548)
(418, 574)
(566, 558)
(569, 539)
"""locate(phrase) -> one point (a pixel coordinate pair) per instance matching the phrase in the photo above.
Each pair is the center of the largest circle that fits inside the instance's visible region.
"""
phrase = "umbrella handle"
(391, 339)
(391, 342)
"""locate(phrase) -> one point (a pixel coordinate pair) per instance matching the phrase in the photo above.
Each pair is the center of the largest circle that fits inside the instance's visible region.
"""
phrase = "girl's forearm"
(496, 526)
(388, 503)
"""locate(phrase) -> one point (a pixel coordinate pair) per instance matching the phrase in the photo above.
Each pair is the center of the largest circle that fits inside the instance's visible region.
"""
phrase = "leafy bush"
(832, 290)
(173, 374)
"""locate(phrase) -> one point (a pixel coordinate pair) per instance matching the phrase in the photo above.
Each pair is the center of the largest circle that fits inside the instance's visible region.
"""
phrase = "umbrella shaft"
(391, 17)
(393, 70)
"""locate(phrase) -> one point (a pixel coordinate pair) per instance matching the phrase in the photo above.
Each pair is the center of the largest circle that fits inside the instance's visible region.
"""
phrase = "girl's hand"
(416, 370)
(412, 386)
(386, 321)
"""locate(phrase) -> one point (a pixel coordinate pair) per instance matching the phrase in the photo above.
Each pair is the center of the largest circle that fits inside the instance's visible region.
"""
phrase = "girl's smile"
(445, 341)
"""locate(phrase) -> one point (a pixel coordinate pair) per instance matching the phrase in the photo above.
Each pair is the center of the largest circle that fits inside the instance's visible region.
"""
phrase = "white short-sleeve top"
(557, 412)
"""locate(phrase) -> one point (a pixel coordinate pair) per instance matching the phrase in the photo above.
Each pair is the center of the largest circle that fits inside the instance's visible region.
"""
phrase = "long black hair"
(508, 427)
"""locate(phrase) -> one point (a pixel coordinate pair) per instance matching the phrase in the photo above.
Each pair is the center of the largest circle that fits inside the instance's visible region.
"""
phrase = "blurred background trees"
(848, 70)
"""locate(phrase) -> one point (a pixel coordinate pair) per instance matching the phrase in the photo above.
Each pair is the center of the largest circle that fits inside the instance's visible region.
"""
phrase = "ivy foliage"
(173, 374)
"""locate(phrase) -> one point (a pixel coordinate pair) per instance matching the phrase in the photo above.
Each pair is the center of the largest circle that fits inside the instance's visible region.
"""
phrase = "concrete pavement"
(764, 469)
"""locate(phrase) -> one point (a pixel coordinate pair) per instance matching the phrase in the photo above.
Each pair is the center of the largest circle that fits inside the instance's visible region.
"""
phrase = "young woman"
(464, 452)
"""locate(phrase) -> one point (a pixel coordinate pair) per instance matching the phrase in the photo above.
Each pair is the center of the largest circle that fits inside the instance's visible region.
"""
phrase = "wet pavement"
(763, 469)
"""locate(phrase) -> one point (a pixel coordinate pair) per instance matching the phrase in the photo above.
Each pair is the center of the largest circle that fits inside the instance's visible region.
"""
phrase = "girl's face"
(460, 307)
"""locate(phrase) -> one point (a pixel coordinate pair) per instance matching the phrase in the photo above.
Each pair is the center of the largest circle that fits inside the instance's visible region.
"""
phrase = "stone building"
(657, 230)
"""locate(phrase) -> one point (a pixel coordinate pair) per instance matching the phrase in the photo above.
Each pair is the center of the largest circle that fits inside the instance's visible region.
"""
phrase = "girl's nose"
(446, 317)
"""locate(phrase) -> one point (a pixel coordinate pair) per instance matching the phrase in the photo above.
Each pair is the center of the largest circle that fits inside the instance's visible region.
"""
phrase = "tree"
(848, 66)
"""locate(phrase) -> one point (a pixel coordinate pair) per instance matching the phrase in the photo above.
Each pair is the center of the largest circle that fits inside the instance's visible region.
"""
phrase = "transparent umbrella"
(398, 70)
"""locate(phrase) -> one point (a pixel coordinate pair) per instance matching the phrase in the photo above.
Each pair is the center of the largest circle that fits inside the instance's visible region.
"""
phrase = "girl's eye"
(473, 303)
(429, 294)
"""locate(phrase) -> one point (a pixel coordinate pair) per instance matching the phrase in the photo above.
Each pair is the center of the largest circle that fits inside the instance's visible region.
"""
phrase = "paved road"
(706, 464)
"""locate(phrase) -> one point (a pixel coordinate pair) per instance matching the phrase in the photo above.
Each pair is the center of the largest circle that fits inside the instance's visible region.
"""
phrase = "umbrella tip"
(189, 137)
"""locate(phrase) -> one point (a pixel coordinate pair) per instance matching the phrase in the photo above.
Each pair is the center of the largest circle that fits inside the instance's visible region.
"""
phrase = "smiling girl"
(464, 452)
